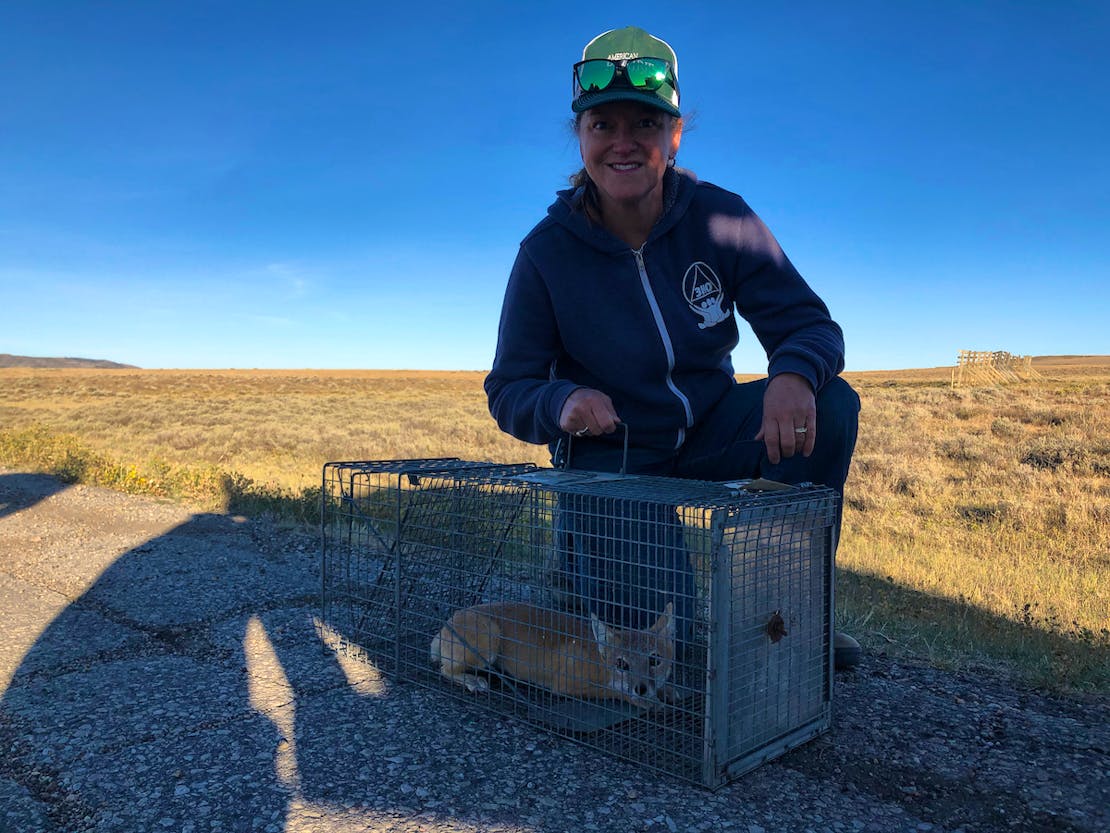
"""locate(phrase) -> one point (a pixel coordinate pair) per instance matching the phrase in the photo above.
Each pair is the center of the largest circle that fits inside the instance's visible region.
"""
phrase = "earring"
(670, 162)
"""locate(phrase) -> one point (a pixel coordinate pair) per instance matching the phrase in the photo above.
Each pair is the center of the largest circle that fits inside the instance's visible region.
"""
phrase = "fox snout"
(639, 692)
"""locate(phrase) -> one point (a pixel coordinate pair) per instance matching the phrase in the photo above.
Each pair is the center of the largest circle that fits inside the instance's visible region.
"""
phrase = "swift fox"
(561, 652)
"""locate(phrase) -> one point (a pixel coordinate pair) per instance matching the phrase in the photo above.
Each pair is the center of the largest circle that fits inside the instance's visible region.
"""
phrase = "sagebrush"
(977, 521)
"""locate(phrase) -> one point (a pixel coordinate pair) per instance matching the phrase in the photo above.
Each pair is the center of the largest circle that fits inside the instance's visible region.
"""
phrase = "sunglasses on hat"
(598, 74)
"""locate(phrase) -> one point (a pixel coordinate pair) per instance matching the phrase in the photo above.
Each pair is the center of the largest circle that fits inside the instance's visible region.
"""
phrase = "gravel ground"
(159, 671)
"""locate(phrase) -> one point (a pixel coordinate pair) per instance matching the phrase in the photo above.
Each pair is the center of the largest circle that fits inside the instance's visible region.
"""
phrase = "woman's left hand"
(788, 405)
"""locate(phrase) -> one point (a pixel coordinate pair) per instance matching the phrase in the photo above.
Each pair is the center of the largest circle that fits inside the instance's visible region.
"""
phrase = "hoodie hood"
(679, 186)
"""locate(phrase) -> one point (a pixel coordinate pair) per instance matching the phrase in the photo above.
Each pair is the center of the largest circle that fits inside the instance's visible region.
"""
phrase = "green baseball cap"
(624, 45)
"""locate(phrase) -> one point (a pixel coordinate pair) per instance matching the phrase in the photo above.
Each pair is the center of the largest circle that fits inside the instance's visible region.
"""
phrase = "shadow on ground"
(162, 673)
(23, 491)
(901, 621)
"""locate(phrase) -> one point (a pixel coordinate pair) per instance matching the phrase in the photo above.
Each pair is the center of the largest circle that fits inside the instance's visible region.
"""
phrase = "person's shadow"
(161, 671)
(144, 690)
(168, 672)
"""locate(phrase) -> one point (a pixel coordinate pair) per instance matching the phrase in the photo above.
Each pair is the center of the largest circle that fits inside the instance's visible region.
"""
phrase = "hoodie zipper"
(667, 346)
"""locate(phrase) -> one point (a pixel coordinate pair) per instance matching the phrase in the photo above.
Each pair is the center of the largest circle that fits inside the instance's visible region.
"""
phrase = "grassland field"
(977, 520)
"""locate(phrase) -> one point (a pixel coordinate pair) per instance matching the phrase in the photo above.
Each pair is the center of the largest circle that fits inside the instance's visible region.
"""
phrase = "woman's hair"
(581, 179)
(590, 204)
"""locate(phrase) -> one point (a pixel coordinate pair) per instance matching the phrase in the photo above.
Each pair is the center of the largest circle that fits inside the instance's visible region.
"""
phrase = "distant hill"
(1069, 361)
(8, 360)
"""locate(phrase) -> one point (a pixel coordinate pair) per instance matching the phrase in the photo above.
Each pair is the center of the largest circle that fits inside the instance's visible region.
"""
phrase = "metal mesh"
(678, 624)
(366, 505)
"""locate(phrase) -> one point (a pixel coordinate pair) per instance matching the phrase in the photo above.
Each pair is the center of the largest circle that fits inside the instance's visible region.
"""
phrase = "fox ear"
(601, 633)
(664, 625)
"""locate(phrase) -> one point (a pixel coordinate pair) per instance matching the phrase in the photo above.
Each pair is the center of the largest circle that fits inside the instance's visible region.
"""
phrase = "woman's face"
(625, 147)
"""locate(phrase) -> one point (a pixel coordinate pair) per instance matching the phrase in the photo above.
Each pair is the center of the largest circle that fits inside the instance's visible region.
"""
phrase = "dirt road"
(159, 671)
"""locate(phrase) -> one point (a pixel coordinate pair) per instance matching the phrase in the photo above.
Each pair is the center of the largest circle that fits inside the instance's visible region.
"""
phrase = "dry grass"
(977, 524)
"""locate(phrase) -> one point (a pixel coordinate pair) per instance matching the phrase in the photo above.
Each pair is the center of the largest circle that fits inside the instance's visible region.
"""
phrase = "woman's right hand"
(588, 412)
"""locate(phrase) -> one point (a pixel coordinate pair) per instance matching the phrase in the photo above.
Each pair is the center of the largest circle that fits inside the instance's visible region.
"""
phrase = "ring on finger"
(582, 432)
(801, 430)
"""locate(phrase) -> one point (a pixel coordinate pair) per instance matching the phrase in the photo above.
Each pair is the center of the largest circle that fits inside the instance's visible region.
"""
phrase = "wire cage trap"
(682, 625)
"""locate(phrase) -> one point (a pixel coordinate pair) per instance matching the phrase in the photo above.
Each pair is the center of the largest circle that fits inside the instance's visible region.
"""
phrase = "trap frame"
(746, 567)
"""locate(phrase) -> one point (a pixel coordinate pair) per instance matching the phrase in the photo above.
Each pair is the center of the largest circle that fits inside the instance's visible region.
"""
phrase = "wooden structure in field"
(985, 367)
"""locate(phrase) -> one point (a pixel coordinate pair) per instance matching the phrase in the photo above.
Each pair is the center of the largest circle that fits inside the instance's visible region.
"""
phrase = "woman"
(619, 308)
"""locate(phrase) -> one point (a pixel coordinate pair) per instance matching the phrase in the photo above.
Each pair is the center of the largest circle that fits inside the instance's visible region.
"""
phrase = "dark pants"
(626, 561)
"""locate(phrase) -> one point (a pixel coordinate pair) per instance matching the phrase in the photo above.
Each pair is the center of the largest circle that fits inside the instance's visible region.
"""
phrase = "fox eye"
(654, 660)
(622, 664)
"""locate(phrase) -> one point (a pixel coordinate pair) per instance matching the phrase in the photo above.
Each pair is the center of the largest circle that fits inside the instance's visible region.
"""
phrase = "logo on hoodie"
(703, 292)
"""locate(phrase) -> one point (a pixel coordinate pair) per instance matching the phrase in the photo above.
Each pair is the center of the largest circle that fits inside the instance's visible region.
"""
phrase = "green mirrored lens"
(646, 73)
(595, 75)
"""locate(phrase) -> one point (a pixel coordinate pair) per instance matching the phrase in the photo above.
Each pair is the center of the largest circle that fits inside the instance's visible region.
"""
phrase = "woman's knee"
(838, 403)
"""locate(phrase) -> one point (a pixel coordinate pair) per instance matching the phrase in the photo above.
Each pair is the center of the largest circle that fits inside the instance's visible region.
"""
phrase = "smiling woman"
(620, 309)
(626, 148)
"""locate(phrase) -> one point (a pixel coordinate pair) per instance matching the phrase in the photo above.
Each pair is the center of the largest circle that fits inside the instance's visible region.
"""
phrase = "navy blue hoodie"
(653, 328)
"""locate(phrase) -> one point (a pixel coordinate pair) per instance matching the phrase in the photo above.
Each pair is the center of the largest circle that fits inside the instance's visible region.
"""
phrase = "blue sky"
(333, 185)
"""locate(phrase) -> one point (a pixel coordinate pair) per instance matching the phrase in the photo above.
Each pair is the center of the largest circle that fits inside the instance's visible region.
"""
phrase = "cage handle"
(624, 458)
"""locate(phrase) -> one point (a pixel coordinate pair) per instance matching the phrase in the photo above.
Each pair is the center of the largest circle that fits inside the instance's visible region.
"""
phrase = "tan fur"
(561, 652)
